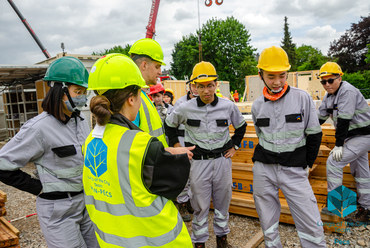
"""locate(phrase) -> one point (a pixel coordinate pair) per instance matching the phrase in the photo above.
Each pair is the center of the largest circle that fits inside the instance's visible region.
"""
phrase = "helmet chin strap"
(273, 91)
(75, 109)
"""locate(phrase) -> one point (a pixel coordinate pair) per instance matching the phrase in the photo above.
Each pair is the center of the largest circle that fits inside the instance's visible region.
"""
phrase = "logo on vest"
(342, 201)
(96, 157)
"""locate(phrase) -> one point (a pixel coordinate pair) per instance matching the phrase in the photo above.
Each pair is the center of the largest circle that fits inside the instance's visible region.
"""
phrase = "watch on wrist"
(236, 147)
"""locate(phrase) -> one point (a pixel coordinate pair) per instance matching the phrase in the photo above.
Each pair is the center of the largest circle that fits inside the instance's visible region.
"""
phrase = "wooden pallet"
(3, 199)
(242, 173)
(9, 235)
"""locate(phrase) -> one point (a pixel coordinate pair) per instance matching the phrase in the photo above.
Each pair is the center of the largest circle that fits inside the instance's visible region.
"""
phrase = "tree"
(288, 45)
(309, 58)
(115, 49)
(226, 44)
(351, 48)
(367, 60)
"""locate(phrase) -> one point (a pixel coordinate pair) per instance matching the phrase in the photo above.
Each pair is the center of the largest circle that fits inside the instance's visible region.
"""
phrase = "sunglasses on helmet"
(330, 81)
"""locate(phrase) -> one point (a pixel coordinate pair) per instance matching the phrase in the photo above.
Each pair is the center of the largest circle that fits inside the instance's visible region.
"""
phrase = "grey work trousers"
(293, 182)
(184, 195)
(355, 152)
(66, 223)
(210, 179)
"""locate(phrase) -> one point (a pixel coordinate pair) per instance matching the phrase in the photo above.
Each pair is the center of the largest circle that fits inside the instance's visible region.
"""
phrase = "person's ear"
(143, 65)
(131, 100)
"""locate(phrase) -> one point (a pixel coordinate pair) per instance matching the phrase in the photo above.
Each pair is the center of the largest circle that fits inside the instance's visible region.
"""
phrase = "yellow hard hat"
(273, 59)
(148, 47)
(114, 71)
(203, 72)
(330, 68)
(170, 90)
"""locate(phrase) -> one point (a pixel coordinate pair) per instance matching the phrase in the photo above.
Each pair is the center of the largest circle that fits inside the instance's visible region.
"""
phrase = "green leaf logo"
(342, 201)
(96, 157)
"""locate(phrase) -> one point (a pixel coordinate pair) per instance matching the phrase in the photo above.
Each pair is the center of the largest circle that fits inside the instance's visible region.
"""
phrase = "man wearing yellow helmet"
(351, 114)
(207, 119)
(148, 56)
(218, 93)
(289, 139)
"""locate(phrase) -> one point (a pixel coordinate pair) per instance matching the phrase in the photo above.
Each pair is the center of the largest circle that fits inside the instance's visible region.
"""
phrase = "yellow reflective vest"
(123, 211)
(150, 121)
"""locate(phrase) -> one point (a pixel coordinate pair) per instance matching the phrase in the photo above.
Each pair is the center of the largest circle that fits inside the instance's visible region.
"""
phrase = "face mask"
(79, 102)
(277, 91)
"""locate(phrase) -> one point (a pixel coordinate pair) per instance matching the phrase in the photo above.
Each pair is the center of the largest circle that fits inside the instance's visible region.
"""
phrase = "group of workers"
(115, 186)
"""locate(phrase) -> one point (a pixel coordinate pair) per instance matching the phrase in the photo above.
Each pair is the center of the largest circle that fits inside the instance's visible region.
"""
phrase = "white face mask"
(277, 91)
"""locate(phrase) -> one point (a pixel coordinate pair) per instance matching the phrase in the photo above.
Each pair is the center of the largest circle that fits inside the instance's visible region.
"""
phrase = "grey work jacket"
(349, 111)
(55, 148)
(288, 129)
(207, 125)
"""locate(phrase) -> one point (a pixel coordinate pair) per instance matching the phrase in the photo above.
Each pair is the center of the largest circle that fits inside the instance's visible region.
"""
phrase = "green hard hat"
(69, 70)
(115, 71)
(148, 47)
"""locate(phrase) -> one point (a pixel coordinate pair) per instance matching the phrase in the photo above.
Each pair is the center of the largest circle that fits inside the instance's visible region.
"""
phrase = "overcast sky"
(87, 26)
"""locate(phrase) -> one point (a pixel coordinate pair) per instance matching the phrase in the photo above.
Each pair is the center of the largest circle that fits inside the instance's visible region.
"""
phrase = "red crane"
(150, 29)
(34, 36)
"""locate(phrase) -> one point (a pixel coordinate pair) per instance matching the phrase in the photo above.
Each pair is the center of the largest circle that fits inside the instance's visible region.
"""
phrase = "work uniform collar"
(188, 96)
(121, 120)
(164, 105)
(201, 103)
(286, 92)
(336, 92)
(74, 115)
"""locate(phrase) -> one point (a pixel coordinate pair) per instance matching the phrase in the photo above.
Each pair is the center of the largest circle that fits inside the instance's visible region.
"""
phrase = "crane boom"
(150, 29)
(43, 49)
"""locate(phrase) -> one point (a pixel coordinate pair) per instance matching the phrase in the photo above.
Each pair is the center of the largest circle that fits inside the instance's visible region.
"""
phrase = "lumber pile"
(242, 199)
(9, 235)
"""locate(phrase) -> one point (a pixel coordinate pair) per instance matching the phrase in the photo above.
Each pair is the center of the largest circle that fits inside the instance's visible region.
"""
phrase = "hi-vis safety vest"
(150, 122)
(124, 213)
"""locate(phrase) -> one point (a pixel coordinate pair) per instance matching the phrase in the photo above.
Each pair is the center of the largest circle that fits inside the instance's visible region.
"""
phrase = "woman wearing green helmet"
(53, 142)
(129, 177)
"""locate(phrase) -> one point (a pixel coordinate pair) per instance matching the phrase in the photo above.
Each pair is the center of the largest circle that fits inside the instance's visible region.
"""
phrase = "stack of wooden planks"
(242, 200)
(9, 235)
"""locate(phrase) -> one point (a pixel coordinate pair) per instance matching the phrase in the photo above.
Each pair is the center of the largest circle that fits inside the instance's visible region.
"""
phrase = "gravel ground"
(242, 228)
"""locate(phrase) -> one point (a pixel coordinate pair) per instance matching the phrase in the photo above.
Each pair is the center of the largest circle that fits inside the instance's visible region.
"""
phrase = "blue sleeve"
(137, 120)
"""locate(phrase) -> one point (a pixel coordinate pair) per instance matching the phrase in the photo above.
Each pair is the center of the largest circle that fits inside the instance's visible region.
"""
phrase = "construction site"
(23, 89)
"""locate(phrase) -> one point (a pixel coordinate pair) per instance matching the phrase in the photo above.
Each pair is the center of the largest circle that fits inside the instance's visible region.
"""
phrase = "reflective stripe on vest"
(124, 213)
(150, 122)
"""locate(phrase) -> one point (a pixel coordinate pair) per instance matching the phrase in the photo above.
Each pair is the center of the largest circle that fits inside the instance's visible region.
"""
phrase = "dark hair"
(111, 102)
(139, 58)
(169, 94)
(53, 101)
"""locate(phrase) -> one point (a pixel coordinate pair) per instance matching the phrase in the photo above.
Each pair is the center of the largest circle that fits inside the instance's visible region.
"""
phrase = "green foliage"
(367, 60)
(226, 44)
(288, 45)
(351, 48)
(115, 49)
(309, 58)
(360, 80)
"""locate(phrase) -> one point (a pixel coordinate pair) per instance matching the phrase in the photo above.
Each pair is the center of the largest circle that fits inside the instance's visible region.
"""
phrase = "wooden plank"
(255, 240)
(9, 235)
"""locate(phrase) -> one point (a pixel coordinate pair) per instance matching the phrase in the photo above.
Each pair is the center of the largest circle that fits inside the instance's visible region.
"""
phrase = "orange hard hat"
(156, 89)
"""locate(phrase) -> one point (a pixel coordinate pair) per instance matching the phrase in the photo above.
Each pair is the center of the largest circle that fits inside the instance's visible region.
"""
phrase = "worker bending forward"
(129, 177)
(207, 119)
(53, 141)
(289, 135)
(351, 114)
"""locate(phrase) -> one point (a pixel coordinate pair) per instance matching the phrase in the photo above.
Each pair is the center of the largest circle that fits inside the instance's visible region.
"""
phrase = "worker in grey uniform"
(183, 199)
(207, 119)
(53, 141)
(351, 115)
(289, 136)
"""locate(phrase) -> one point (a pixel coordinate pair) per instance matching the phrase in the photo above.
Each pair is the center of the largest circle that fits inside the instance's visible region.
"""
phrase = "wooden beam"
(255, 240)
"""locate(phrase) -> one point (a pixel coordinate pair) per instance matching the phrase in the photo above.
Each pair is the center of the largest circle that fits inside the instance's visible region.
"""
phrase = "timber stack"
(9, 235)
(242, 199)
